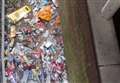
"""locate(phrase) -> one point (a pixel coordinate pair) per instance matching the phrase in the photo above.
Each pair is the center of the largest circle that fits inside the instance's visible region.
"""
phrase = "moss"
(74, 53)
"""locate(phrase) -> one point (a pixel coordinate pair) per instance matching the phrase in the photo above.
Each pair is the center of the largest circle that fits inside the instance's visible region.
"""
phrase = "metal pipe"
(2, 50)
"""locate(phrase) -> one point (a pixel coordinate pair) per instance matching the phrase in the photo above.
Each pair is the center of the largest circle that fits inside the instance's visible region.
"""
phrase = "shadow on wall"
(116, 21)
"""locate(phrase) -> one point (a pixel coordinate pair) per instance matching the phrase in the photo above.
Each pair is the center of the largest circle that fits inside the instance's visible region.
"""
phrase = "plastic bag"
(45, 13)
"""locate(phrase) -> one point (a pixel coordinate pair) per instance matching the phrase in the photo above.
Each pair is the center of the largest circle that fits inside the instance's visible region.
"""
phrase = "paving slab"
(110, 74)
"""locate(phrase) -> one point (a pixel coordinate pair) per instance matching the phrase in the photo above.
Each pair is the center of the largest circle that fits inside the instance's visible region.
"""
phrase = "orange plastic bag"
(45, 13)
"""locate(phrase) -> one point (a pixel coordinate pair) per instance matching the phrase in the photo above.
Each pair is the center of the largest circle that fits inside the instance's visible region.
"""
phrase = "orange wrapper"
(45, 13)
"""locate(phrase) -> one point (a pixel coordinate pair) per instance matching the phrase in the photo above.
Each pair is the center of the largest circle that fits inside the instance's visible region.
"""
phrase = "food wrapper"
(19, 14)
(13, 31)
(45, 13)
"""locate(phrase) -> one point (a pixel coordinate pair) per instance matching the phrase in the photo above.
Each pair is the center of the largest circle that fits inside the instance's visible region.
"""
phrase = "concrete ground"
(106, 45)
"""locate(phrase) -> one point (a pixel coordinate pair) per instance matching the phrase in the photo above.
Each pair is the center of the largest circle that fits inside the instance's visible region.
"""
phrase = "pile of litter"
(34, 47)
